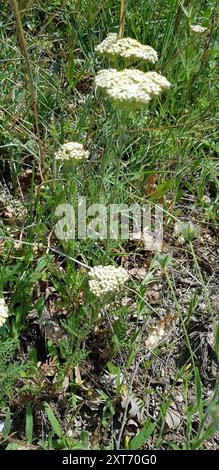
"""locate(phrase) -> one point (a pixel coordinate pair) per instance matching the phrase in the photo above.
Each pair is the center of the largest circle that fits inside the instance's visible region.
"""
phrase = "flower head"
(130, 86)
(106, 279)
(127, 48)
(72, 151)
(197, 28)
(3, 312)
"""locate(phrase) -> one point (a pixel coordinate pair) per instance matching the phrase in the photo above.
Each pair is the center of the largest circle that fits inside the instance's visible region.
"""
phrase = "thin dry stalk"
(123, 5)
(179, 15)
(23, 48)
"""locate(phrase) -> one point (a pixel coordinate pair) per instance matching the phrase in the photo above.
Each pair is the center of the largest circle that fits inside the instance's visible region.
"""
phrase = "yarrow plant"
(127, 48)
(197, 28)
(107, 279)
(72, 151)
(128, 89)
(130, 86)
(3, 312)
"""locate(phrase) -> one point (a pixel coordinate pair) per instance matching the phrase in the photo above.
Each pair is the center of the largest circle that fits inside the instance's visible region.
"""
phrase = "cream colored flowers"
(127, 48)
(3, 312)
(197, 28)
(106, 279)
(130, 86)
(72, 151)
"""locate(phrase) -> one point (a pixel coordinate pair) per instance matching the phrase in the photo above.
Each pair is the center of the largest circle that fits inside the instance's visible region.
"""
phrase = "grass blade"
(142, 436)
(53, 420)
(29, 424)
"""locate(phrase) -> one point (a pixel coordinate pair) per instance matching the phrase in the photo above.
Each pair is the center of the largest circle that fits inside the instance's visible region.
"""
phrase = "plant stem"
(23, 47)
(179, 12)
(123, 4)
(119, 153)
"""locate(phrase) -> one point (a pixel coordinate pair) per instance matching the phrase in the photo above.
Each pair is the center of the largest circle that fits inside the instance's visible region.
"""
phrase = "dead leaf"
(172, 418)
(78, 379)
(157, 333)
(150, 184)
(135, 406)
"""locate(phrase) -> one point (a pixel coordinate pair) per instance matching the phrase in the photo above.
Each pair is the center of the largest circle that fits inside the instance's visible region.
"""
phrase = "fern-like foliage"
(10, 371)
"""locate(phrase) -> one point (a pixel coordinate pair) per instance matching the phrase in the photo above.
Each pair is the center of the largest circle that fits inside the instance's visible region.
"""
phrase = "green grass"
(55, 320)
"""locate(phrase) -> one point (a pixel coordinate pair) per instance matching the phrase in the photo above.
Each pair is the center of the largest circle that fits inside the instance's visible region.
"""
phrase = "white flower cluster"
(106, 279)
(3, 312)
(130, 86)
(72, 151)
(197, 28)
(126, 48)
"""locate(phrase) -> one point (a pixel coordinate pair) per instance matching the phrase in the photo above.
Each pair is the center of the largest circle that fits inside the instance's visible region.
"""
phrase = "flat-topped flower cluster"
(131, 85)
(72, 151)
(197, 28)
(127, 48)
(107, 279)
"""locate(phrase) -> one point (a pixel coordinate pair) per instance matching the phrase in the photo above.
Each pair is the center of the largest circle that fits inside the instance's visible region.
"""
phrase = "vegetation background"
(75, 371)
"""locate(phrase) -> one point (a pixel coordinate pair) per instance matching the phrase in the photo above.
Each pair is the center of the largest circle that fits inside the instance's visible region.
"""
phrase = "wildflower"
(130, 86)
(72, 151)
(3, 312)
(197, 28)
(158, 79)
(106, 279)
(127, 48)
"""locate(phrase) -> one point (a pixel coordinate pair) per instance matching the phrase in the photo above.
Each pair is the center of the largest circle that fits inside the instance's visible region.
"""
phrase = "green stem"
(118, 157)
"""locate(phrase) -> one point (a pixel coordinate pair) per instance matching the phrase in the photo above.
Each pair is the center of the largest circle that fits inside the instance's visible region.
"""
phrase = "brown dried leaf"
(157, 333)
